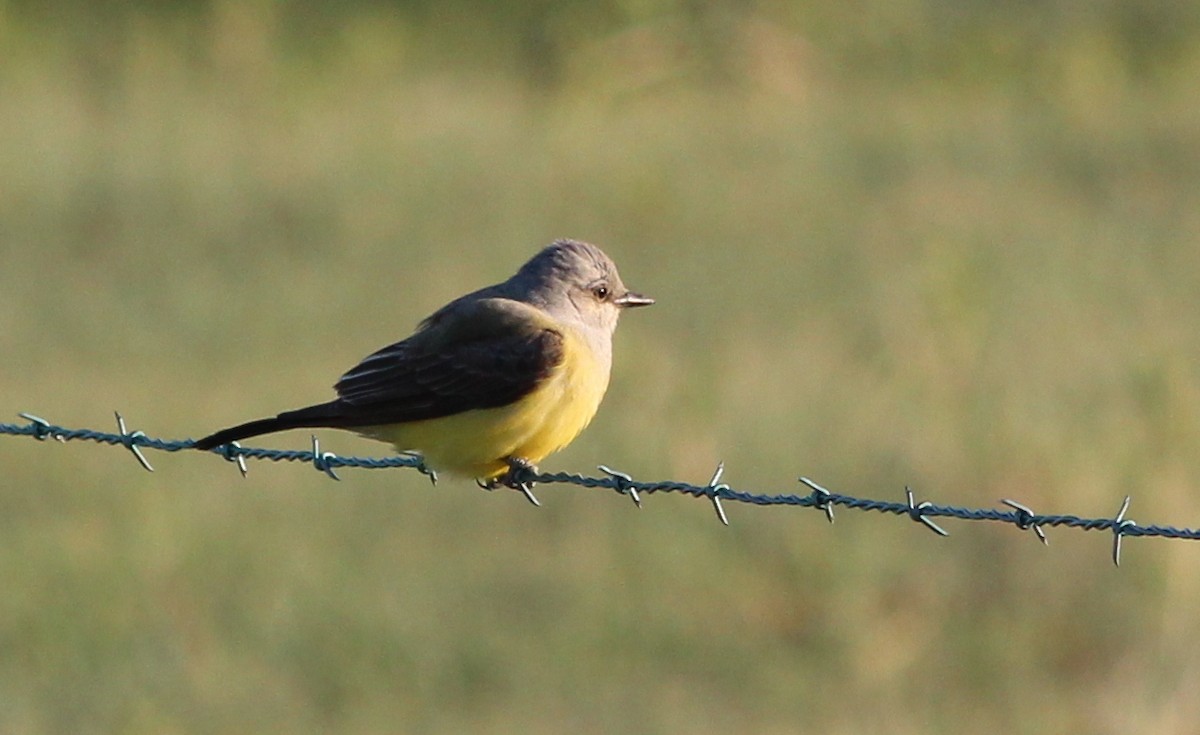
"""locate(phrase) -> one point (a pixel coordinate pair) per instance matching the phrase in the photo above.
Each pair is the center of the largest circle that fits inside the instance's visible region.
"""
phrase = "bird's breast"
(563, 405)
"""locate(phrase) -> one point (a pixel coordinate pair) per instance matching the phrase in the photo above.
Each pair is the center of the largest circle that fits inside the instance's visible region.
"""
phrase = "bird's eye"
(601, 292)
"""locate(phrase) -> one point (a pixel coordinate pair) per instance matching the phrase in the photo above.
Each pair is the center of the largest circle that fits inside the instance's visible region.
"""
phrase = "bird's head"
(575, 280)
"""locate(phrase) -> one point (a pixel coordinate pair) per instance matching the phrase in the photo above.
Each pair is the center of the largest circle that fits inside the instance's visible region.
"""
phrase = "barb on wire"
(625, 484)
(820, 498)
(231, 454)
(916, 511)
(129, 440)
(1025, 519)
(1118, 528)
(714, 491)
(714, 488)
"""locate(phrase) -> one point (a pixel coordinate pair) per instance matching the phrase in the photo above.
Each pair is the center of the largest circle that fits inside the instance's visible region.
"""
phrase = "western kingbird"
(492, 382)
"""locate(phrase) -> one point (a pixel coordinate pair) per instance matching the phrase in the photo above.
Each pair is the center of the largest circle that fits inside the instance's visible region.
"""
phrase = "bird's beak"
(629, 298)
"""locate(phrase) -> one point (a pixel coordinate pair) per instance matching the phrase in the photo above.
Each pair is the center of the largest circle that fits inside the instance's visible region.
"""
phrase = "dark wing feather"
(477, 352)
(491, 358)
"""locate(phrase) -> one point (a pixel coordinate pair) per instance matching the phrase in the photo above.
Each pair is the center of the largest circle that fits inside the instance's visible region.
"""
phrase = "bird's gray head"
(576, 280)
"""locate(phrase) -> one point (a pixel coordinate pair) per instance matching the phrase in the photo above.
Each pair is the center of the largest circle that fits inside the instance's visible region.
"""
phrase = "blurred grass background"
(947, 244)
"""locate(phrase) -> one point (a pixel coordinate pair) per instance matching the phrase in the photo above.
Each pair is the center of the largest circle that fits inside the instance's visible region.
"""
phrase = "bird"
(491, 383)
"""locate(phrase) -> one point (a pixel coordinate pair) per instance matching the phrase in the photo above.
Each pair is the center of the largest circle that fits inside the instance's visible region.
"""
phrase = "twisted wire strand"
(715, 491)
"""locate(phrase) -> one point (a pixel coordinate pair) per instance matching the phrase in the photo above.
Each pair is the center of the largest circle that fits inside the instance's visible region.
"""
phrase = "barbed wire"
(524, 477)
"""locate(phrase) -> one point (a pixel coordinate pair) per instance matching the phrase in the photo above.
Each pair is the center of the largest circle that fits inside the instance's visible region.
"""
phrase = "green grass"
(955, 250)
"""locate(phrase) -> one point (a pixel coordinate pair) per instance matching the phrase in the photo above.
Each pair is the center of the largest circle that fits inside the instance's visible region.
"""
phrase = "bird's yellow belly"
(477, 443)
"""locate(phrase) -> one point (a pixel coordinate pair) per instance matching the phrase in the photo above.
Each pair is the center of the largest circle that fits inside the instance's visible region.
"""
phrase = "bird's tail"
(322, 415)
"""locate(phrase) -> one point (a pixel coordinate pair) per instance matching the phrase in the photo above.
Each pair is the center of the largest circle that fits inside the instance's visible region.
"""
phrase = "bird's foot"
(518, 468)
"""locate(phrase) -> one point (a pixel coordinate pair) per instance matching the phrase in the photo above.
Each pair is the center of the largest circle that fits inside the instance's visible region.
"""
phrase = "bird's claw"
(511, 479)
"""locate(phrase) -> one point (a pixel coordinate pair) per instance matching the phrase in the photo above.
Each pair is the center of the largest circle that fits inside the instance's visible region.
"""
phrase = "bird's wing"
(480, 354)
